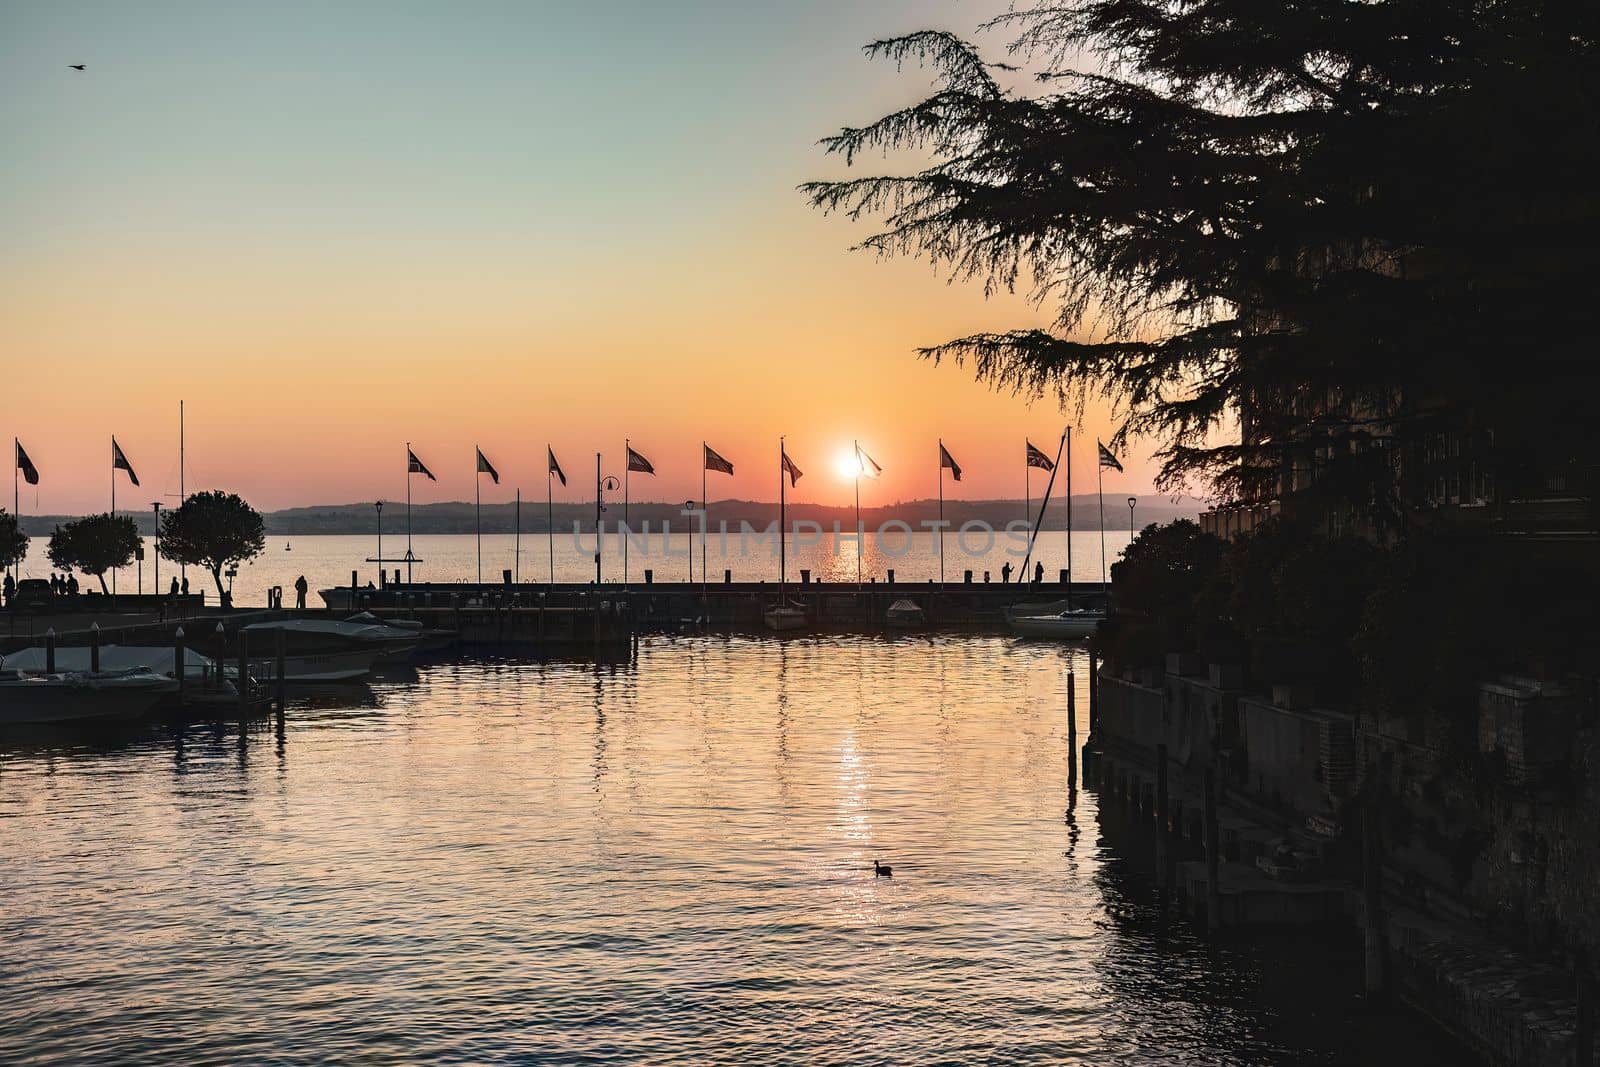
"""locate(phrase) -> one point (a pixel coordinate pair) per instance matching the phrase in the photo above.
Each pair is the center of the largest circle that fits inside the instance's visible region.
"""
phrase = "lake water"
(328, 560)
(664, 862)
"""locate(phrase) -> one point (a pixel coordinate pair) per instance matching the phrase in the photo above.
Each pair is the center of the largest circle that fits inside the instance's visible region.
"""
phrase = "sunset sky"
(334, 228)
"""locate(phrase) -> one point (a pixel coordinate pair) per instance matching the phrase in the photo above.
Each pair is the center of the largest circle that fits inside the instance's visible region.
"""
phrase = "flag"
(1107, 459)
(1039, 459)
(638, 464)
(868, 466)
(947, 460)
(30, 473)
(555, 468)
(416, 466)
(790, 469)
(485, 467)
(120, 462)
(715, 462)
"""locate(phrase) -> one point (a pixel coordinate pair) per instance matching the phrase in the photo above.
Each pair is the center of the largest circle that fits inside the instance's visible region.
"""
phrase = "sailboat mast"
(783, 521)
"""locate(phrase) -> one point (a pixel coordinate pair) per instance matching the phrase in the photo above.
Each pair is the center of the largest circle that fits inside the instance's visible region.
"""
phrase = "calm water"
(666, 863)
(328, 560)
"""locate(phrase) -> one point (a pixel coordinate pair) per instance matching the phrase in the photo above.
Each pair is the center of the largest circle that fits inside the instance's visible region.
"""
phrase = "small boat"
(205, 682)
(74, 695)
(429, 638)
(906, 615)
(286, 547)
(1055, 621)
(325, 650)
(784, 618)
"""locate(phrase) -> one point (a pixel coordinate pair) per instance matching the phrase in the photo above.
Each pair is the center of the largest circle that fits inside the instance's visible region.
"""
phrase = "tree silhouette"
(13, 542)
(1308, 235)
(94, 544)
(212, 530)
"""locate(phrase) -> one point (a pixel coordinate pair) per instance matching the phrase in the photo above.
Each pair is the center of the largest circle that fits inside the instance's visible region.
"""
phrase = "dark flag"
(947, 460)
(791, 470)
(416, 466)
(120, 462)
(1107, 460)
(1039, 459)
(869, 466)
(715, 462)
(30, 473)
(638, 464)
(485, 467)
(555, 468)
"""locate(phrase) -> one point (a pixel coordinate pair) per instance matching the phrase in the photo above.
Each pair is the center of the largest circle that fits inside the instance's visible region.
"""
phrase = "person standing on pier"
(300, 588)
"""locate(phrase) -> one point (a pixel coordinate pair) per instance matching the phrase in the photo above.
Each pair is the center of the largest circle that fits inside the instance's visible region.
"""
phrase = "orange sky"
(323, 272)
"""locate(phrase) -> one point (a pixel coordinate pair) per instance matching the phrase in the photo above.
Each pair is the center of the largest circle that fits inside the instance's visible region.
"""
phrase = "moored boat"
(71, 696)
(325, 650)
(906, 615)
(784, 618)
(1056, 621)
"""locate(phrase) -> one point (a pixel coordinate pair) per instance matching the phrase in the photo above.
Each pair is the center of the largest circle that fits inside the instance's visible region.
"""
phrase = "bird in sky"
(77, 66)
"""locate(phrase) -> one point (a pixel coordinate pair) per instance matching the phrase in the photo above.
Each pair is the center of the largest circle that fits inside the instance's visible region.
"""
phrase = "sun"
(847, 465)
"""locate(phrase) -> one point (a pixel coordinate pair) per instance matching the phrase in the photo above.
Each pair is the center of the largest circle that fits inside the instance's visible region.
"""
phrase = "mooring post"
(1163, 819)
(1094, 695)
(94, 647)
(1586, 1009)
(282, 669)
(177, 661)
(50, 650)
(1213, 855)
(1372, 932)
(244, 671)
(1072, 730)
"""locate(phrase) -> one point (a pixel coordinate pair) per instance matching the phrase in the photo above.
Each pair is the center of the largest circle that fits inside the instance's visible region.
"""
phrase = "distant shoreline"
(456, 517)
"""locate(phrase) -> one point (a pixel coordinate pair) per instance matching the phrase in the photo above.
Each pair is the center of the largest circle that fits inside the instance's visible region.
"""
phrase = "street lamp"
(156, 504)
(379, 507)
(1132, 500)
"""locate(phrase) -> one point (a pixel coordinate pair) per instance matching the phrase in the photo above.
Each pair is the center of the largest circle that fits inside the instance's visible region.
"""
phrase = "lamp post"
(379, 508)
(1132, 500)
(688, 506)
(156, 504)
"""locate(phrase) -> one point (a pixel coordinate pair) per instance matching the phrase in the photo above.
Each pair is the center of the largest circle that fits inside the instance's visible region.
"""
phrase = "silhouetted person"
(10, 589)
(174, 590)
(1005, 573)
(1038, 573)
(185, 586)
(72, 585)
(300, 588)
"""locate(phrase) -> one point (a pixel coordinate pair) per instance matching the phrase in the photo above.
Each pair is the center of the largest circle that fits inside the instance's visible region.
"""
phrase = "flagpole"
(783, 519)
(1099, 491)
(550, 513)
(477, 489)
(516, 559)
(16, 499)
(705, 515)
(183, 568)
(1033, 531)
(1069, 518)
(627, 469)
(1027, 488)
(113, 501)
(858, 516)
(941, 513)
(408, 512)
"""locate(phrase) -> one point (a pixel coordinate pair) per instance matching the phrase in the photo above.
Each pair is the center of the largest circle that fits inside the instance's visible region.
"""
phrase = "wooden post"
(282, 668)
(244, 671)
(1213, 856)
(1094, 695)
(177, 661)
(1072, 730)
(1586, 1010)
(1372, 891)
(50, 650)
(94, 647)
(1163, 819)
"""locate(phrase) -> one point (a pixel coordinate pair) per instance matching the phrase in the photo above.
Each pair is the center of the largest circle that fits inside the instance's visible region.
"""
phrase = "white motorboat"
(1057, 621)
(73, 695)
(205, 681)
(324, 650)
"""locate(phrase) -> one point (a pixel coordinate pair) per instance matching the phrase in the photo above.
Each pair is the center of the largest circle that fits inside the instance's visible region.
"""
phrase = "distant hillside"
(457, 517)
